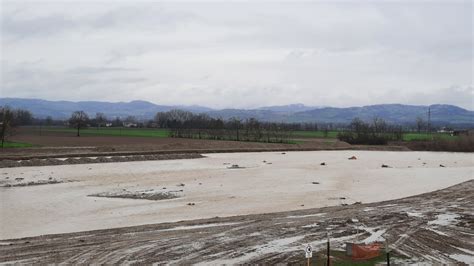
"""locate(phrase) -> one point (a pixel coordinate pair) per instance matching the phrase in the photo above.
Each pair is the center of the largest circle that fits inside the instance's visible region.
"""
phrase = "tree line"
(184, 124)
(378, 132)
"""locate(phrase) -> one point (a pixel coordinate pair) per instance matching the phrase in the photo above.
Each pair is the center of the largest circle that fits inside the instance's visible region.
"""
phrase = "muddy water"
(265, 182)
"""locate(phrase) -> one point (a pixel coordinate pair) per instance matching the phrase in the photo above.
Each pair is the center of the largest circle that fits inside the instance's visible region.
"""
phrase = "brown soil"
(410, 224)
(54, 145)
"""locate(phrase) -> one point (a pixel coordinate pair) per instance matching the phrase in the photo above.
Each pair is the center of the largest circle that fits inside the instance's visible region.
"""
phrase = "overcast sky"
(240, 54)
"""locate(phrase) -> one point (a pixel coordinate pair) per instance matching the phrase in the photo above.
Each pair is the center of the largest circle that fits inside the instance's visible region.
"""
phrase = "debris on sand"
(315, 183)
(191, 204)
(357, 203)
(352, 158)
(147, 195)
(34, 183)
(99, 159)
(386, 166)
(283, 153)
(323, 163)
(180, 185)
(441, 165)
(235, 166)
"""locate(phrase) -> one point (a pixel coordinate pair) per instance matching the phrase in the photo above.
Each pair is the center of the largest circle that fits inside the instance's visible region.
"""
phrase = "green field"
(426, 136)
(163, 133)
(406, 136)
(315, 134)
(126, 132)
(11, 144)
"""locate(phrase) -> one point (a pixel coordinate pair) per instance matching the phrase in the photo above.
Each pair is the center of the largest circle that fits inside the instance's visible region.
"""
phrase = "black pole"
(328, 253)
(388, 258)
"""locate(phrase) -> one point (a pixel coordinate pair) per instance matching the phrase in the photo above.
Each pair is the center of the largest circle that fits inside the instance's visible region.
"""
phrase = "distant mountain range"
(393, 113)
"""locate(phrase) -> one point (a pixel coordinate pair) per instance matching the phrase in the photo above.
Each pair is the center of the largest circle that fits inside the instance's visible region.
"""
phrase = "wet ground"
(435, 227)
(82, 197)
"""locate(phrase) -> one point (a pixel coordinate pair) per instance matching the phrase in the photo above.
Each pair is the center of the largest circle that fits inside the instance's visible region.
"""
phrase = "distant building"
(129, 124)
(445, 130)
(463, 132)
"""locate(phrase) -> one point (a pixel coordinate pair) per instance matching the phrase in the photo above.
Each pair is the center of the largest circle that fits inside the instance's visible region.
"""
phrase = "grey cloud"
(36, 27)
(127, 80)
(145, 16)
(98, 70)
(241, 54)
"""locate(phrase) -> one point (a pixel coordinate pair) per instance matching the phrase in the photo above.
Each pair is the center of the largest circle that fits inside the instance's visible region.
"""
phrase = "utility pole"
(328, 252)
(387, 251)
(429, 120)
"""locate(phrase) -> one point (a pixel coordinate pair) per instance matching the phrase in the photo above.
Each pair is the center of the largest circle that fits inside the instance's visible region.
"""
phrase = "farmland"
(12, 144)
(132, 179)
(164, 133)
(112, 131)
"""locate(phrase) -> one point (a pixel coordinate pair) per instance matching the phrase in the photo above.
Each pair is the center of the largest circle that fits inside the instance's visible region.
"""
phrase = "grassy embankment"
(11, 144)
(412, 136)
(113, 131)
(163, 133)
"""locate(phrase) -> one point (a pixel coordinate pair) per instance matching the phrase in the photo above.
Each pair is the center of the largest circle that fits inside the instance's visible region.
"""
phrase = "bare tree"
(49, 120)
(79, 120)
(6, 118)
(379, 125)
(420, 124)
(236, 124)
(100, 119)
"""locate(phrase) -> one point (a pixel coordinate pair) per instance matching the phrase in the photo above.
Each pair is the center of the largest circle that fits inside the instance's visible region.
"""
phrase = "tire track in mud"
(433, 227)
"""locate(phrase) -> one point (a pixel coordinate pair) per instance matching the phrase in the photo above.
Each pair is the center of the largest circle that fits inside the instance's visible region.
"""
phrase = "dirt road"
(433, 227)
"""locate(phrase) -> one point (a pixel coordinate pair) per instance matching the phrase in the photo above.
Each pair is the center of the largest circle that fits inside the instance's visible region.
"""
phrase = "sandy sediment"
(267, 182)
(432, 228)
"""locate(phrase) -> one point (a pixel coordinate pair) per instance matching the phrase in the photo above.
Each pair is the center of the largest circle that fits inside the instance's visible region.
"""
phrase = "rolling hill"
(392, 113)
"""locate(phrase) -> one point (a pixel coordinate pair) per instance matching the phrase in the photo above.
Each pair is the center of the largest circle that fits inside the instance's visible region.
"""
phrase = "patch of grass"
(426, 136)
(11, 144)
(315, 134)
(124, 132)
(413, 136)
